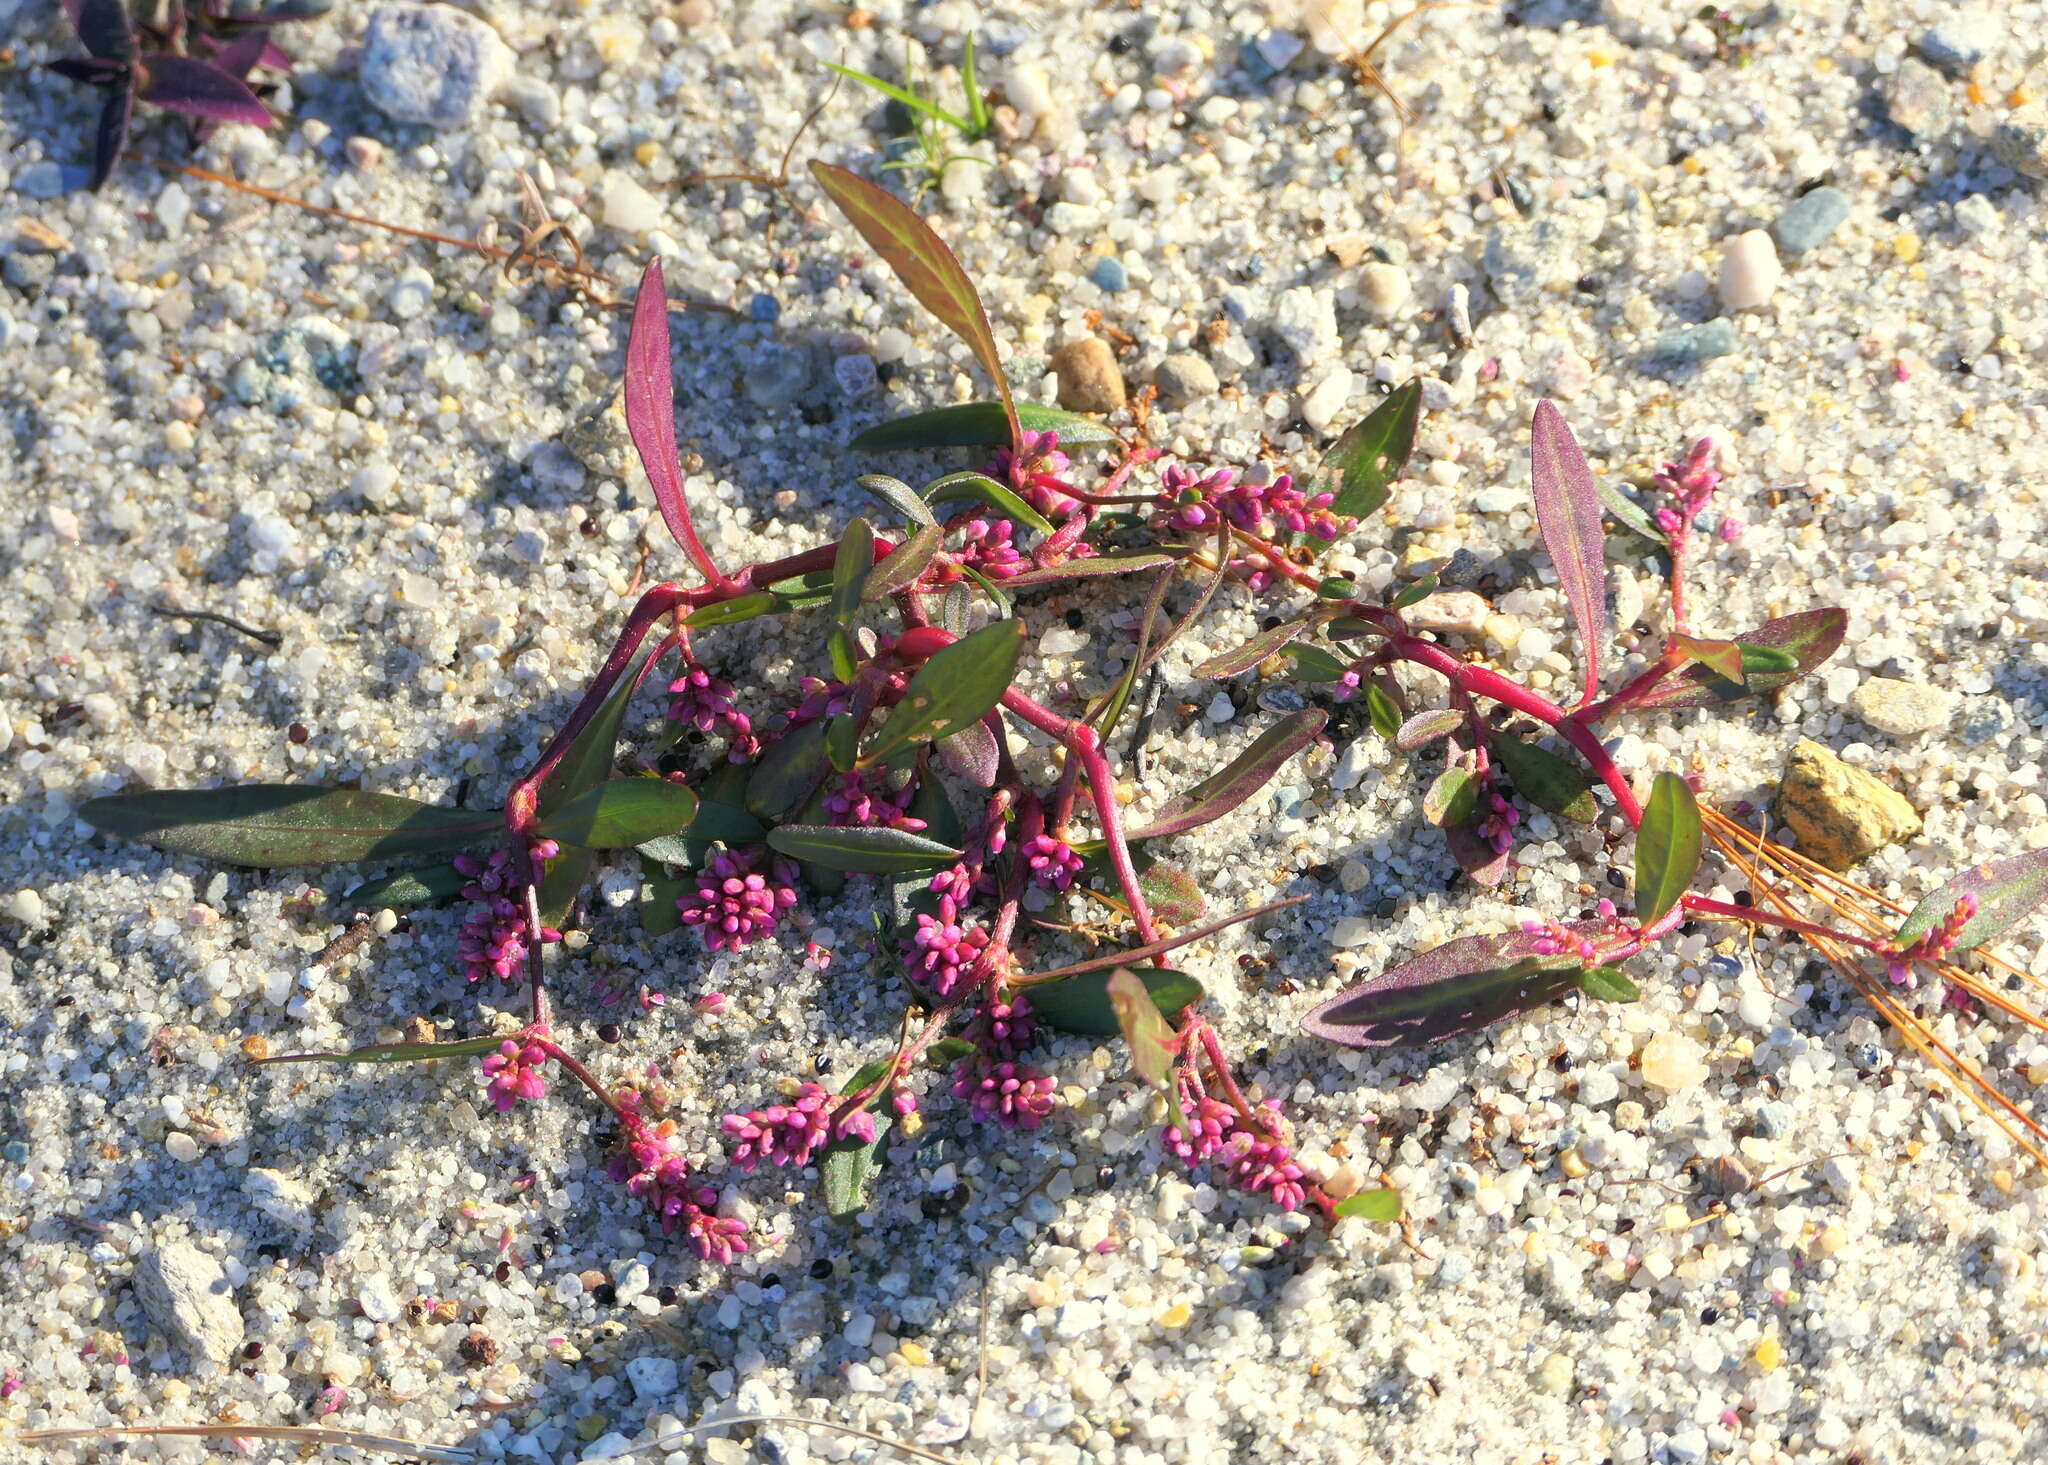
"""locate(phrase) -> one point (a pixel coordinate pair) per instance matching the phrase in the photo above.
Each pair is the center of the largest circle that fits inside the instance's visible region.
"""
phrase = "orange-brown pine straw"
(1764, 862)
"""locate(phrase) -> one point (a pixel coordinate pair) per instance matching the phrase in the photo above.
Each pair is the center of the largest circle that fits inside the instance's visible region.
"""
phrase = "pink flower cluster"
(651, 1166)
(705, 702)
(1553, 938)
(735, 902)
(943, 948)
(1052, 861)
(789, 1134)
(492, 941)
(514, 1071)
(853, 802)
(1014, 1095)
(1010, 1026)
(1498, 827)
(1691, 485)
(1198, 505)
(1936, 944)
(1036, 474)
(1250, 1160)
(988, 547)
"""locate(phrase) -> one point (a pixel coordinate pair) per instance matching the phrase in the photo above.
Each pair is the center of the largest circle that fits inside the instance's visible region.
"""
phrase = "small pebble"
(1691, 345)
(1749, 271)
(433, 64)
(2020, 141)
(1089, 378)
(1184, 378)
(1384, 287)
(1673, 1062)
(1918, 99)
(1109, 274)
(1903, 709)
(1959, 41)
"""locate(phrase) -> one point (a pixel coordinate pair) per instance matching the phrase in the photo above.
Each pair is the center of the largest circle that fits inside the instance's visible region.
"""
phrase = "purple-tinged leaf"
(1153, 1042)
(103, 27)
(394, 1052)
(265, 825)
(860, 849)
(1667, 846)
(1452, 799)
(1134, 563)
(972, 753)
(1723, 658)
(1254, 651)
(245, 53)
(1568, 512)
(1361, 466)
(924, 264)
(1545, 779)
(112, 134)
(199, 89)
(1460, 987)
(1172, 893)
(1483, 864)
(1425, 728)
(1808, 638)
(1081, 1004)
(1238, 780)
(902, 565)
(982, 424)
(91, 70)
(789, 769)
(651, 410)
(2007, 891)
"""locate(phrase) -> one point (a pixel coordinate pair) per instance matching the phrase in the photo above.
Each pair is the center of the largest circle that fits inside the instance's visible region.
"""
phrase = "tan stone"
(1840, 814)
(1673, 1062)
(1090, 380)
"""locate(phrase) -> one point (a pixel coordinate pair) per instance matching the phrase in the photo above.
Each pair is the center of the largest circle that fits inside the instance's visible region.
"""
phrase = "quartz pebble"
(1384, 287)
(432, 64)
(1918, 99)
(1903, 709)
(1749, 271)
(1672, 1062)
(1183, 379)
(1461, 611)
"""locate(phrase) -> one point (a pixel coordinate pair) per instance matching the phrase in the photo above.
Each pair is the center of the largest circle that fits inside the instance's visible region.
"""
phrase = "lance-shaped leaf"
(1460, 987)
(1152, 1040)
(651, 409)
(1476, 856)
(1545, 779)
(1568, 513)
(953, 690)
(980, 488)
(716, 820)
(850, 566)
(1313, 664)
(1630, 515)
(1254, 651)
(265, 825)
(199, 89)
(847, 1167)
(732, 612)
(982, 424)
(1382, 711)
(1425, 728)
(1093, 567)
(1667, 846)
(394, 1052)
(899, 496)
(622, 813)
(426, 886)
(1383, 1206)
(1807, 639)
(1361, 466)
(1082, 1004)
(2007, 891)
(924, 264)
(973, 754)
(584, 765)
(931, 803)
(1609, 984)
(789, 768)
(1414, 594)
(902, 565)
(1239, 779)
(103, 28)
(860, 850)
(1723, 658)
(1452, 798)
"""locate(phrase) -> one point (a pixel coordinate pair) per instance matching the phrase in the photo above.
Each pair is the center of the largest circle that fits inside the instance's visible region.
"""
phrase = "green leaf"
(1382, 1206)
(1452, 798)
(1254, 651)
(813, 587)
(860, 851)
(1629, 514)
(265, 825)
(1386, 717)
(981, 425)
(732, 612)
(2007, 892)
(906, 96)
(659, 892)
(953, 690)
(1351, 628)
(1361, 466)
(1723, 658)
(1414, 594)
(394, 1052)
(949, 1051)
(725, 823)
(981, 489)
(1809, 638)
(850, 566)
(972, 753)
(1667, 847)
(1313, 664)
(997, 596)
(1081, 1004)
(930, 802)
(847, 1167)
(1153, 1042)
(425, 886)
(842, 742)
(902, 565)
(1609, 984)
(789, 768)
(1425, 728)
(587, 763)
(622, 813)
(1174, 895)
(1757, 659)
(1239, 779)
(899, 496)
(1095, 565)
(924, 264)
(1545, 779)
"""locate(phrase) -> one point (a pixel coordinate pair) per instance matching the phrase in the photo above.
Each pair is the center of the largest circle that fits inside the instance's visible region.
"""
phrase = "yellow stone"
(915, 1354)
(1769, 1353)
(2003, 1180)
(646, 152)
(1573, 1163)
(1907, 248)
(1831, 1240)
(1176, 1316)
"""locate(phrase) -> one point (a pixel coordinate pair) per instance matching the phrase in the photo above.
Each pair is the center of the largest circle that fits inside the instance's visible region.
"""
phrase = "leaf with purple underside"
(394, 1052)
(650, 393)
(1568, 512)
(1810, 638)
(2007, 891)
(266, 825)
(1722, 658)
(1133, 563)
(1254, 651)
(199, 89)
(112, 133)
(1425, 728)
(103, 28)
(1460, 987)
(1482, 863)
(973, 754)
(1238, 780)
(924, 264)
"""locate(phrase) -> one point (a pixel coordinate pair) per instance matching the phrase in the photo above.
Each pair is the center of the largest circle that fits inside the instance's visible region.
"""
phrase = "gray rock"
(49, 180)
(1775, 1119)
(310, 353)
(2021, 141)
(1523, 262)
(1184, 378)
(778, 375)
(654, 1379)
(1958, 42)
(186, 1294)
(537, 100)
(281, 1198)
(1986, 719)
(28, 272)
(1691, 345)
(1810, 219)
(1902, 709)
(1918, 99)
(432, 64)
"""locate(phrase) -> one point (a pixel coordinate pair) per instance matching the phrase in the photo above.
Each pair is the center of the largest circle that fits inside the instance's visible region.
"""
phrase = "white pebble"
(1750, 271)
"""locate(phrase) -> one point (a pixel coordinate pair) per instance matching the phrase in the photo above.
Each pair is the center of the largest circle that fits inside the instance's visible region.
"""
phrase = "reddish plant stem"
(583, 1075)
(1701, 906)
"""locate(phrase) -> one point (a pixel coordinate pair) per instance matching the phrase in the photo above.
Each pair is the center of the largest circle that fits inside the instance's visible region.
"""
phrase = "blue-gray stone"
(1810, 219)
(1109, 274)
(764, 310)
(1958, 42)
(308, 353)
(16, 1151)
(1691, 345)
(778, 375)
(1722, 965)
(1986, 719)
(1775, 1119)
(50, 180)
(1240, 304)
(1454, 1269)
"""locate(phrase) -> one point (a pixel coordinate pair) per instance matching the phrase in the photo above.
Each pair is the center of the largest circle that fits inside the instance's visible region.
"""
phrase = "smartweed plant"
(737, 810)
(923, 148)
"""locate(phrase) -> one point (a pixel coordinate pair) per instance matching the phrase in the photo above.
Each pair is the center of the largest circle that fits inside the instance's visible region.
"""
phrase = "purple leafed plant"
(197, 60)
(895, 763)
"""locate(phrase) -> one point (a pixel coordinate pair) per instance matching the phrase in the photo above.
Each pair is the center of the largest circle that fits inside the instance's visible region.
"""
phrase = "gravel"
(1583, 1282)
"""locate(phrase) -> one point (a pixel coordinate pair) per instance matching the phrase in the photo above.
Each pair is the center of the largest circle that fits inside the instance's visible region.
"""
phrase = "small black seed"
(820, 1269)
